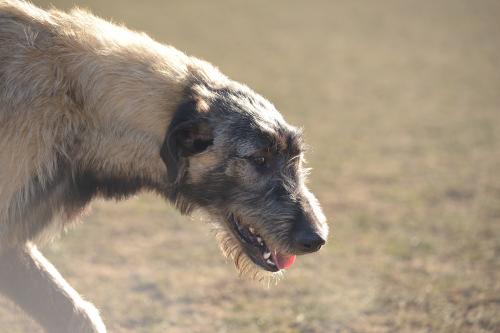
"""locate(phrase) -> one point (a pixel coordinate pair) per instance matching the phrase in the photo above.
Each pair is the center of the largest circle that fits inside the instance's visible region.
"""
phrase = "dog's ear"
(189, 133)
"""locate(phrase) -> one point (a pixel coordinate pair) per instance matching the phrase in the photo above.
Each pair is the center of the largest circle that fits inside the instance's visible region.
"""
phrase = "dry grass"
(400, 102)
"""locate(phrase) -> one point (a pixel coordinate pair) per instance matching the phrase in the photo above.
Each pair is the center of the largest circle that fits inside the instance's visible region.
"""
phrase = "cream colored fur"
(96, 94)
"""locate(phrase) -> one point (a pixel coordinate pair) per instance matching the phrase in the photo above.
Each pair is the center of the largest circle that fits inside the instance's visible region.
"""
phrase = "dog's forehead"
(256, 124)
(241, 101)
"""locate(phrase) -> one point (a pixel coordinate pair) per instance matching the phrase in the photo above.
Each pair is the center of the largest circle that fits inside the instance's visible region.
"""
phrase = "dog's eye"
(259, 160)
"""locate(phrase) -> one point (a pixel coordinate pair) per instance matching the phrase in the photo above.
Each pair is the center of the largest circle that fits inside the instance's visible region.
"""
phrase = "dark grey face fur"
(230, 152)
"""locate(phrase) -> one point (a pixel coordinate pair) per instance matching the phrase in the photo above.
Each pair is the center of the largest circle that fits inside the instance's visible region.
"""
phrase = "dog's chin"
(249, 250)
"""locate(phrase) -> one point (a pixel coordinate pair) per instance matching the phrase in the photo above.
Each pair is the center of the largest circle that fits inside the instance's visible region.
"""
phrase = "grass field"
(400, 103)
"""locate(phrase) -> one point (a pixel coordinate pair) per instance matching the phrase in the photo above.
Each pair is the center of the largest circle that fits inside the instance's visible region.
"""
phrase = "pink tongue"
(283, 261)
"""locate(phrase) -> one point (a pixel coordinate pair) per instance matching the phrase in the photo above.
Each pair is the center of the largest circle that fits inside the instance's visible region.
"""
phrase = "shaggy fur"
(90, 109)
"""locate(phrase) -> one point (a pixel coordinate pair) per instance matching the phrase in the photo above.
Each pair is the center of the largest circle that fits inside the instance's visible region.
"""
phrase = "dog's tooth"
(259, 240)
(252, 230)
(267, 255)
(269, 261)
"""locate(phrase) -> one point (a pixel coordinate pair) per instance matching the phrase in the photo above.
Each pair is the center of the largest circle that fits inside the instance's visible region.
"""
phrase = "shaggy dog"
(90, 109)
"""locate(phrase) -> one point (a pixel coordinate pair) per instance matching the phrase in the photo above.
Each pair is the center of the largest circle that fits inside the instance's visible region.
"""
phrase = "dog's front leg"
(36, 286)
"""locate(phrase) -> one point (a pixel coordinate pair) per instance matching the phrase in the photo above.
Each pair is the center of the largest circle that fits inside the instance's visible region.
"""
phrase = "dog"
(90, 109)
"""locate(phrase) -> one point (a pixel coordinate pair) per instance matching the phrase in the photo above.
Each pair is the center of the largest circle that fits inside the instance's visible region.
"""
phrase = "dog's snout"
(306, 236)
(307, 241)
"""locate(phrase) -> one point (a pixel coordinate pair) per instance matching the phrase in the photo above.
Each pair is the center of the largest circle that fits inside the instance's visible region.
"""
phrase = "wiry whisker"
(231, 249)
(291, 162)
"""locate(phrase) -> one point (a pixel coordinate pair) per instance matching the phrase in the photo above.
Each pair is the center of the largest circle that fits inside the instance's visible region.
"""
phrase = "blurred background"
(400, 103)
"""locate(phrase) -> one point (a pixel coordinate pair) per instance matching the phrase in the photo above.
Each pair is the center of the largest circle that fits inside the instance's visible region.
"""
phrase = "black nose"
(307, 241)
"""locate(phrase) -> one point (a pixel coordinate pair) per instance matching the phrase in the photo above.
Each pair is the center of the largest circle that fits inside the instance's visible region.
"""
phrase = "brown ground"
(400, 102)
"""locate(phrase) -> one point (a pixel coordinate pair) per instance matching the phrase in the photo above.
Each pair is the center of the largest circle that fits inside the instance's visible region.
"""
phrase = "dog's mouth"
(256, 249)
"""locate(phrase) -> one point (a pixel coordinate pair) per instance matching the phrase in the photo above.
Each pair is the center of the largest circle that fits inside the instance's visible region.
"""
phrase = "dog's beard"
(232, 250)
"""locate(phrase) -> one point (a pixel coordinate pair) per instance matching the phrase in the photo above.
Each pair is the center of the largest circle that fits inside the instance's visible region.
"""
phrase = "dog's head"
(230, 152)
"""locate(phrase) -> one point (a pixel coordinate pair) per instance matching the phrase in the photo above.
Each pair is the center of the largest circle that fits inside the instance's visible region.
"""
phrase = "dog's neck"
(137, 86)
(125, 92)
